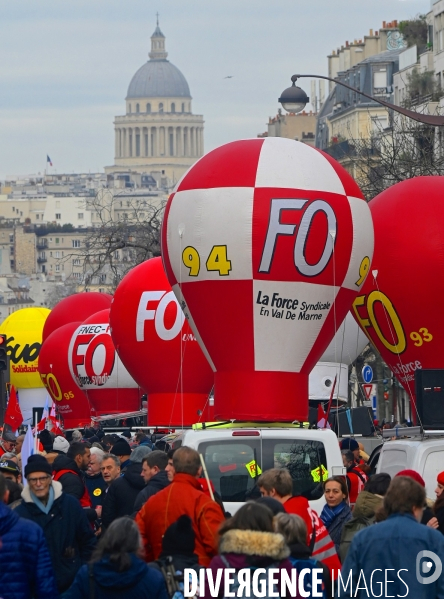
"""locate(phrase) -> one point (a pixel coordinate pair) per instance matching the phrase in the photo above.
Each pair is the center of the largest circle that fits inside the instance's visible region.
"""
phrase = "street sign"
(368, 387)
(367, 373)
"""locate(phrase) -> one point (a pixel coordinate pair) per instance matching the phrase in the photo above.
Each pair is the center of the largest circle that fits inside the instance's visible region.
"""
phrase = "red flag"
(41, 425)
(322, 417)
(55, 427)
(13, 414)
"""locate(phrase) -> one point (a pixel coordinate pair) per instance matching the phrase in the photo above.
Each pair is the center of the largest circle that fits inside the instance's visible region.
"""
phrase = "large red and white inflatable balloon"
(156, 344)
(97, 369)
(71, 403)
(75, 308)
(266, 243)
(400, 305)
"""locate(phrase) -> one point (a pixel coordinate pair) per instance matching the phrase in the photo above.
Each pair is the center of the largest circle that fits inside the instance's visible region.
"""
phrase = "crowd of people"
(106, 516)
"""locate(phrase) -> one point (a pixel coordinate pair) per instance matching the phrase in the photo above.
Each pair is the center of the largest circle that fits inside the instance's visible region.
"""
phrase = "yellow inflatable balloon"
(23, 330)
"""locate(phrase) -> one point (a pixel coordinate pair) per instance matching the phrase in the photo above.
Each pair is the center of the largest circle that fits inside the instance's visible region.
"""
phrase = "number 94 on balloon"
(217, 260)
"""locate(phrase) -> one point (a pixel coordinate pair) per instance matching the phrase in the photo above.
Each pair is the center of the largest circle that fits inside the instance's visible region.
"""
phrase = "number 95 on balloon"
(216, 261)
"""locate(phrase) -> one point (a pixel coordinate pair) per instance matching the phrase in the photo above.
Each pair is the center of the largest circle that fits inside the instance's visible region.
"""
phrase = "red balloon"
(98, 370)
(266, 243)
(71, 403)
(397, 307)
(151, 334)
(75, 308)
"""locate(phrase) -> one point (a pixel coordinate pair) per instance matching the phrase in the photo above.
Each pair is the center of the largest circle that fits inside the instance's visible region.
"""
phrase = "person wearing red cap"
(428, 516)
(437, 521)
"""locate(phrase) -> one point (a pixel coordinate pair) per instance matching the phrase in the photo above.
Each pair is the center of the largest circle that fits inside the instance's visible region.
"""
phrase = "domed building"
(159, 132)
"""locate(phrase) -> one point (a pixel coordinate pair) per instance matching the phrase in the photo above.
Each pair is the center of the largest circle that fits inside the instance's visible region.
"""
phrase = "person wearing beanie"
(122, 493)
(46, 440)
(68, 534)
(122, 450)
(25, 566)
(438, 509)
(355, 447)
(412, 474)
(178, 544)
(58, 446)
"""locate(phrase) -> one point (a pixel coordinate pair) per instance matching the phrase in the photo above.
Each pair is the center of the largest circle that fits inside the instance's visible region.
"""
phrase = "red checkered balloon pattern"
(266, 243)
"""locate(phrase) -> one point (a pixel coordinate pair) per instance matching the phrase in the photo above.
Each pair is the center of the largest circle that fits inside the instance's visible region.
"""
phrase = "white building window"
(57, 267)
(58, 216)
(57, 254)
(76, 243)
(76, 262)
(80, 216)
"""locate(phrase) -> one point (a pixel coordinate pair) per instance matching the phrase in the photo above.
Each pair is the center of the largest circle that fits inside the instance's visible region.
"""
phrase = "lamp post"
(294, 99)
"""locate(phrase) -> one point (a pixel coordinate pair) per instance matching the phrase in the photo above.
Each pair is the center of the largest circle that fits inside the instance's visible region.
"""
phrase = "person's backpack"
(349, 530)
(234, 588)
(174, 579)
(309, 564)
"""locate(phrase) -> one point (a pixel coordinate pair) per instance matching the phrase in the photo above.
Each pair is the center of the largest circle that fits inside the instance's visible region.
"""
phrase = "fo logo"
(144, 313)
(428, 567)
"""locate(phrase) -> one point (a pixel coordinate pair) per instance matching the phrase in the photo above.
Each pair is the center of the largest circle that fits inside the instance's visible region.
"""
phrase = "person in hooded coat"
(369, 502)
(117, 570)
(248, 540)
(122, 493)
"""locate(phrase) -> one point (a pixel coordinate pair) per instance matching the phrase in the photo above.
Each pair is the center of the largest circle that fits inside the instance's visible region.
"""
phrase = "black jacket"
(122, 493)
(73, 484)
(68, 534)
(96, 488)
(158, 482)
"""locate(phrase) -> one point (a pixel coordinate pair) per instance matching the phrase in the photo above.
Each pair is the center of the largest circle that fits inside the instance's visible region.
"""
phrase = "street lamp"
(294, 99)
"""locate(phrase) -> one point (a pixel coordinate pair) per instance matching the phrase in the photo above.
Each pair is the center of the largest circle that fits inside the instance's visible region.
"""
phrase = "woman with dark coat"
(336, 511)
(248, 540)
(117, 568)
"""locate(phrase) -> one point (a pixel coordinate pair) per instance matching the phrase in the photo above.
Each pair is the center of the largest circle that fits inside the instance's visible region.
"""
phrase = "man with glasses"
(65, 526)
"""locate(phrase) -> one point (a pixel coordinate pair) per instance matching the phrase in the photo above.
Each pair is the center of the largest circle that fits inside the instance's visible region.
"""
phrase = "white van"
(425, 454)
(235, 454)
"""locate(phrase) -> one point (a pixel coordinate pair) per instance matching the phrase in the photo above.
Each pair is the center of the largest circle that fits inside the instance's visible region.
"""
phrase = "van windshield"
(305, 459)
(234, 466)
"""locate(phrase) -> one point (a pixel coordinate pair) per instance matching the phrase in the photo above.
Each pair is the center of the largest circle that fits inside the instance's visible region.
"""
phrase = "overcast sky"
(66, 65)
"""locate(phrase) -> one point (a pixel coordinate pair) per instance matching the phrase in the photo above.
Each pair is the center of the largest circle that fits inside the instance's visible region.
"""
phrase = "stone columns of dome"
(202, 147)
(145, 142)
(188, 141)
(123, 146)
(116, 143)
(177, 132)
(173, 133)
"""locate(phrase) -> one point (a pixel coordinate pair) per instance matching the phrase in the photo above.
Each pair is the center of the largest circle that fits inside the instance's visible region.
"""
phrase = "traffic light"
(3, 357)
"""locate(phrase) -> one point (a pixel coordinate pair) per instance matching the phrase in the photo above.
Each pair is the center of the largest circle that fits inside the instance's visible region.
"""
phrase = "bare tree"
(406, 149)
(59, 291)
(125, 232)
